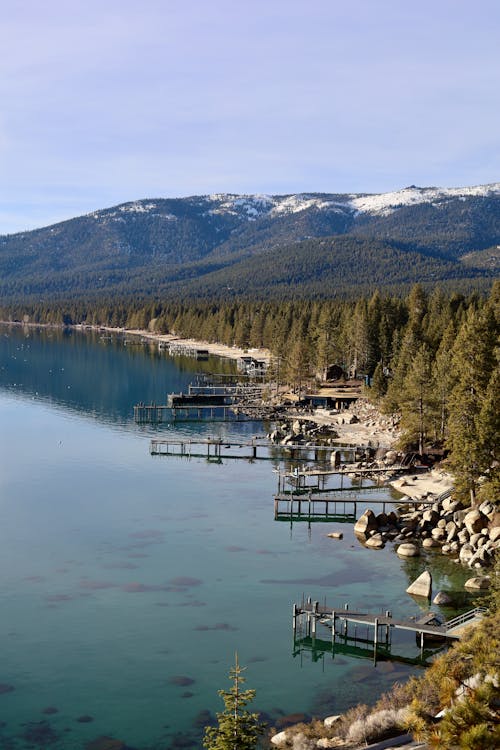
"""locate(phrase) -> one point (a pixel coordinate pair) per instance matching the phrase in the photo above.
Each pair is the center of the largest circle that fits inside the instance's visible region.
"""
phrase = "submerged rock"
(442, 598)
(105, 743)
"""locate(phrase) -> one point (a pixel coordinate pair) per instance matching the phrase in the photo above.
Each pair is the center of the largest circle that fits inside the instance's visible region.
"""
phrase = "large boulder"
(408, 549)
(466, 554)
(449, 505)
(430, 516)
(487, 509)
(451, 531)
(366, 524)
(494, 533)
(331, 720)
(375, 542)
(382, 519)
(463, 536)
(279, 739)
(438, 534)
(430, 542)
(421, 586)
(442, 598)
(474, 521)
(480, 582)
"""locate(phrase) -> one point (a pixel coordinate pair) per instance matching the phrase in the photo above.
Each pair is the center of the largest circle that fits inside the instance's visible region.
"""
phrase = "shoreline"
(217, 349)
(371, 426)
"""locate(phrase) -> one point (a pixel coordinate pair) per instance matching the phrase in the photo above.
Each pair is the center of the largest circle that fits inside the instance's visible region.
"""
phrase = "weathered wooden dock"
(307, 615)
(213, 449)
(255, 449)
(341, 505)
(158, 414)
(304, 494)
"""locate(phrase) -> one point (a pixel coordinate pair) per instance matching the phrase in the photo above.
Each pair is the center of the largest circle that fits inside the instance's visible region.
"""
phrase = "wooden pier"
(213, 449)
(304, 494)
(158, 414)
(255, 449)
(307, 615)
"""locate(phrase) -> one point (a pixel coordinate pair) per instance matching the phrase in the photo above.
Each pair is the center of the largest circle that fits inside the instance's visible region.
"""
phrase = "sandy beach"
(219, 350)
(419, 486)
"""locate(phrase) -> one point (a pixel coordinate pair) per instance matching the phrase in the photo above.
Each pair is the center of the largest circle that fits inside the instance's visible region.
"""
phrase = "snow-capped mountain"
(255, 206)
(161, 242)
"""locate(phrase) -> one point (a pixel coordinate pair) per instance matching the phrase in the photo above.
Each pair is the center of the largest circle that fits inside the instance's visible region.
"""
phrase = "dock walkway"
(255, 449)
(312, 612)
(158, 414)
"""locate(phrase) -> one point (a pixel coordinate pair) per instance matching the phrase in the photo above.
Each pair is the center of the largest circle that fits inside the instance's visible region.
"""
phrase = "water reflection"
(86, 371)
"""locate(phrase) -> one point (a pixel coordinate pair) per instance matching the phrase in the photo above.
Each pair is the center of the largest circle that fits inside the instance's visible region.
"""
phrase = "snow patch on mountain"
(386, 203)
(251, 206)
(254, 206)
(291, 204)
(137, 207)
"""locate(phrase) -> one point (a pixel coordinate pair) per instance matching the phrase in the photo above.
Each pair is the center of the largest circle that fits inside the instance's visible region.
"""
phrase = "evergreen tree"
(443, 378)
(379, 383)
(474, 360)
(416, 399)
(237, 729)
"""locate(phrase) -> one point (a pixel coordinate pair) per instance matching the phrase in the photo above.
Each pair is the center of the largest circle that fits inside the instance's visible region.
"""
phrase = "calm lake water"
(127, 582)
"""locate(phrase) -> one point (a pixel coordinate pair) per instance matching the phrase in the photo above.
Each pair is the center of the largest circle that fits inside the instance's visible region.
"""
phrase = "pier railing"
(465, 618)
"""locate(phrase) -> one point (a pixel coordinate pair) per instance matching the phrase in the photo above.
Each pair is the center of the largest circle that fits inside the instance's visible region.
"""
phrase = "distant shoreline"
(359, 433)
(219, 350)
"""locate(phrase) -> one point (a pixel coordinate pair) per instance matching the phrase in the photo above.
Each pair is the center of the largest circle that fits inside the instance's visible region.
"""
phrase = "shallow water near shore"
(127, 582)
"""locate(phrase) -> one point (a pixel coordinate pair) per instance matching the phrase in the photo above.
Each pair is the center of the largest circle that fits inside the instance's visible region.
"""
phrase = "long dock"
(311, 613)
(213, 449)
(337, 506)
(158, 414)
(300, 478)
(255, 449)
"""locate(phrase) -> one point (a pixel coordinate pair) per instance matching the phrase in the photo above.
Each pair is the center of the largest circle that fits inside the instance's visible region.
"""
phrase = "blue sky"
(105, 102)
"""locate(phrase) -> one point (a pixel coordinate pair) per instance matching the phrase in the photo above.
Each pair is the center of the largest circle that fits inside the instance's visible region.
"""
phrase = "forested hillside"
(432, 358)
(311, 245)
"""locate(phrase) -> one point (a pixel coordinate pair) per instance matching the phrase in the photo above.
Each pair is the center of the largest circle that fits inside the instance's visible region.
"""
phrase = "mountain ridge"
(202, 240)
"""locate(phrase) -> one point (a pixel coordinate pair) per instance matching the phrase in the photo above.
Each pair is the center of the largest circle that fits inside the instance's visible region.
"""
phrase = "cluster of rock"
(471, 535)
(375, 530)
(302, 431)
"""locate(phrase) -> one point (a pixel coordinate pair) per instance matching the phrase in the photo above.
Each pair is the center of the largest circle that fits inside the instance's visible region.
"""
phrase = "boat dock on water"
(375, 629)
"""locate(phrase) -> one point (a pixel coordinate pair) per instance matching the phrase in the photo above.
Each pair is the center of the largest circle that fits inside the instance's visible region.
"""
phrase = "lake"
(128, 582)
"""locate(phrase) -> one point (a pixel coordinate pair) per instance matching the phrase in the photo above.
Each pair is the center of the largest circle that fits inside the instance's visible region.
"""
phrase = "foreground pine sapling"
(237, 728)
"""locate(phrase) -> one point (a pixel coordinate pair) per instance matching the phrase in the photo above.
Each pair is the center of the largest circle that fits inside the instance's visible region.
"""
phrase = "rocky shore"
(470, 536)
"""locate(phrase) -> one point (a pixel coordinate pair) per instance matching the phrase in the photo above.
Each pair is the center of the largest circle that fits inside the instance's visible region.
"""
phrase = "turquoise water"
(127, 582)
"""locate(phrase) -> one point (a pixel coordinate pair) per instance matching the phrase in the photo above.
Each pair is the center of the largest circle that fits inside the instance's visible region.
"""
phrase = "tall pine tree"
(474, 361)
